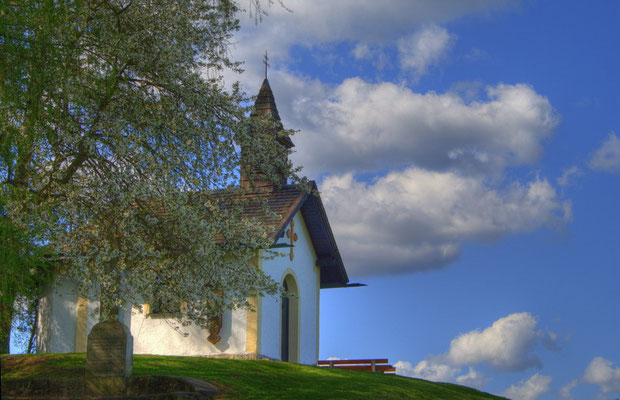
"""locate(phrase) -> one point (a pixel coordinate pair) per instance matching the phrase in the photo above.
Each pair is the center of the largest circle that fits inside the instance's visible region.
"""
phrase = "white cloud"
(472, 378)
(599, 372)
(362, 51)
(506, 345)
(374, 53)
(404, 368)
(360, 126)
(568, 175)
(607, 157)
(417, 219)
(565, 391)
(530, 389)
(429, 370)
(424, 48)
(602, 372)
(438, 371)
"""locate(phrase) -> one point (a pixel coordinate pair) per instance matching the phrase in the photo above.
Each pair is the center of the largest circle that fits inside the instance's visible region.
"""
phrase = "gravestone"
(109, 354)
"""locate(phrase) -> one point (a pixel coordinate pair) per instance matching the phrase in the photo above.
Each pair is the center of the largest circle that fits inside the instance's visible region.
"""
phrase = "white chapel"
(284, 328)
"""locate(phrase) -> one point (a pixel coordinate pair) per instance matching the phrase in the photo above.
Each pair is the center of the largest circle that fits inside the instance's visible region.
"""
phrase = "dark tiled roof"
(333, 273)
(276, 208)
(283, 204)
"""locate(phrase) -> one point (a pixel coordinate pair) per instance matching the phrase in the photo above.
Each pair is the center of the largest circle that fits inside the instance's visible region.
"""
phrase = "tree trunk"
(33, 328)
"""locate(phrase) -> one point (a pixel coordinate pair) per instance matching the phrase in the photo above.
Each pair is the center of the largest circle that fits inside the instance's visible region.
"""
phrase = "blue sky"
(469, 161)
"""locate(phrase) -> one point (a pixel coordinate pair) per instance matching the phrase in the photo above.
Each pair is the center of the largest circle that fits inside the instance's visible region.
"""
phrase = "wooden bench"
(375, 365)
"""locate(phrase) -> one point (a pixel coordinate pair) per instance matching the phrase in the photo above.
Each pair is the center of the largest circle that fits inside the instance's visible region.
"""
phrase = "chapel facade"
(282, 328)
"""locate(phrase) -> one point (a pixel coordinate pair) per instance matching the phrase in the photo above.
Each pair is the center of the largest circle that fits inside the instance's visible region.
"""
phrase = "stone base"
(105, 386)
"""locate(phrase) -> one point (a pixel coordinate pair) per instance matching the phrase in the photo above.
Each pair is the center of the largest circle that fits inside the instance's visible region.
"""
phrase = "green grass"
(253, 379)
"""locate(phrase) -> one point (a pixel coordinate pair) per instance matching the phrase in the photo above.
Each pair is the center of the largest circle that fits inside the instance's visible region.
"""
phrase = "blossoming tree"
(119, 147)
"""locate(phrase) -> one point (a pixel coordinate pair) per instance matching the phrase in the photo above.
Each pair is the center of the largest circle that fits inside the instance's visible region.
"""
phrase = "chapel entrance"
(289, 331)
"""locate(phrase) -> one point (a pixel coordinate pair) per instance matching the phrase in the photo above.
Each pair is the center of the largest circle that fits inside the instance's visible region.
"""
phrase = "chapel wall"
(61, 321)
(307, 277)
(153, 334)
(57, 318)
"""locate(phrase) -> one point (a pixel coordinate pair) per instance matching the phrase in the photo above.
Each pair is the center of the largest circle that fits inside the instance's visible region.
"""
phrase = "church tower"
(265, 107)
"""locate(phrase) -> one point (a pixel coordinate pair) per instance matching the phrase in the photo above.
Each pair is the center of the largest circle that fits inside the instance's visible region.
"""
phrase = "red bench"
(375, 365)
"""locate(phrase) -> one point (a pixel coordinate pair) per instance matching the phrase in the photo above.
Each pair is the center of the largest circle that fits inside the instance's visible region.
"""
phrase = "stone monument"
(109, 355)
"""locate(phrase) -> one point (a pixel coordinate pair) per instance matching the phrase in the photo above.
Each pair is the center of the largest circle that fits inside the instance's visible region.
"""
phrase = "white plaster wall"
(166, 336)
(57, 316)
(92, 315)
(307, 276)
(152, 335)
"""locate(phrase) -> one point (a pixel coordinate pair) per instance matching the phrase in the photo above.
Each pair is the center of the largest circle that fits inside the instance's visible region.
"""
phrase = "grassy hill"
(253, 379)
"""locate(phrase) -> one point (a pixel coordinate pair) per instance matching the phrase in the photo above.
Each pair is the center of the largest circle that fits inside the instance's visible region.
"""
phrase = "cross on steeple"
(266, 62)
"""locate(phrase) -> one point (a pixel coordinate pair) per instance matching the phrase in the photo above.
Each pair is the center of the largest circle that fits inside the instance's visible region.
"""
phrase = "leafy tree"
(120, 143)
(25, 269)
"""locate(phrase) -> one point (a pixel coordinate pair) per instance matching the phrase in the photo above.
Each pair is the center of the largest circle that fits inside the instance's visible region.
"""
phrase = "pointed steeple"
(265, 104)
(265, 107)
